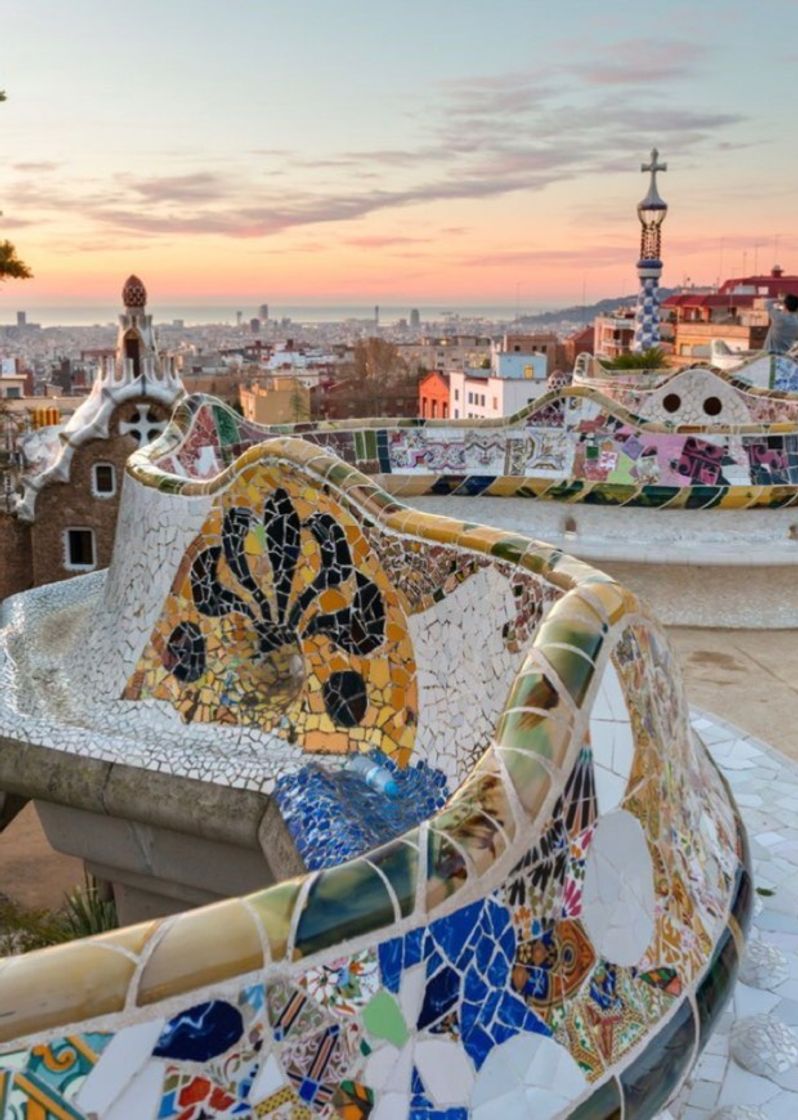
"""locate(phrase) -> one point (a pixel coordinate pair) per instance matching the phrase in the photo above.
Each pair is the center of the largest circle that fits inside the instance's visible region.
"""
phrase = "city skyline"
(417, 155)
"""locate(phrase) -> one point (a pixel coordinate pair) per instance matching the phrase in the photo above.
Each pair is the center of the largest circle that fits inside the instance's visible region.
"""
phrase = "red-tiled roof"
(775, 285)
(710, 299)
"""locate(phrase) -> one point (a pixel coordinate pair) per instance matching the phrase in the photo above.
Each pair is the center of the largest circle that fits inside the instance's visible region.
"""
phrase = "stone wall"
(73, 505)
(16, 566)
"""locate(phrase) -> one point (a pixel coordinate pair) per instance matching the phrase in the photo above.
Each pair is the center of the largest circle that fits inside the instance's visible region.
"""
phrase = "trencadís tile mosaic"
(530, 893)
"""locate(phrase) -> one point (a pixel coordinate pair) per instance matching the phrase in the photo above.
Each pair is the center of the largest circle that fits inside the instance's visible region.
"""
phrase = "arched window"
(132, 352)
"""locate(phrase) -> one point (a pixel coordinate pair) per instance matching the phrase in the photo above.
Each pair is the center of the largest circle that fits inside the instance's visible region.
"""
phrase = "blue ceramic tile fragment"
(389, 955)
(200, 1033)
(440, 996)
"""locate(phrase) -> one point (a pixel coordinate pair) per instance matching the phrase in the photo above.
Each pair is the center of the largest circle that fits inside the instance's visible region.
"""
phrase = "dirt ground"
(749, 677)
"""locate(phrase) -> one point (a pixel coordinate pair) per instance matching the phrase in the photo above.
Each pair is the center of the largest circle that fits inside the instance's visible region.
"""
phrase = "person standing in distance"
(783, 333)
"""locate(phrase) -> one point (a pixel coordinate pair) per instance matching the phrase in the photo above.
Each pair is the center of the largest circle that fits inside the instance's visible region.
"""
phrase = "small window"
(79, 545)
(495, 403)
(103, 480)
(470, 399)
(457, 414)
(482, 400)
(713, 406)
(457, 394)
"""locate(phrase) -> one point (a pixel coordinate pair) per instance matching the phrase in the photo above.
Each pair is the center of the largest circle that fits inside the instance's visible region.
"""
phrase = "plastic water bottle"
(378, 777)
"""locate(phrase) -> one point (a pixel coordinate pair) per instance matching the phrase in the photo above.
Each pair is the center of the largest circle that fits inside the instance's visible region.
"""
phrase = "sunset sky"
(473, 151)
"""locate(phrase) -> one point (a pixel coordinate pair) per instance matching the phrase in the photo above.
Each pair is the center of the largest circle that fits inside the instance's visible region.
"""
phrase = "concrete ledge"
(714, 597)
(158, 836)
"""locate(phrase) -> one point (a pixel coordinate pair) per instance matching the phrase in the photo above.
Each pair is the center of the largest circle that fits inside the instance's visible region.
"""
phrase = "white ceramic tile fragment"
(141, 1100)
(611, 740)
(391, 1106)
(268, 1080)
(127, 1052)
(389, 1069)
(446, 1071)
(618, 893)
(411, 992)
(529, 1075)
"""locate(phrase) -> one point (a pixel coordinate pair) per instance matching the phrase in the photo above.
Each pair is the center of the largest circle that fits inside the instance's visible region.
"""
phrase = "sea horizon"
(196, 314)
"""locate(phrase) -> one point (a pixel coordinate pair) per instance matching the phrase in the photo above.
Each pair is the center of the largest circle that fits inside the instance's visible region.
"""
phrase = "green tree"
(645, 359)
(11, 267)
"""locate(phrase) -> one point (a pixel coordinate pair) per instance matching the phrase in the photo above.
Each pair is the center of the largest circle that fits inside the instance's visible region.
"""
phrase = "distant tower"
(263, 312)
(239, 316)
(651, 212)
(22, 318)
(415, 318)
(136, 352)
(376, 317)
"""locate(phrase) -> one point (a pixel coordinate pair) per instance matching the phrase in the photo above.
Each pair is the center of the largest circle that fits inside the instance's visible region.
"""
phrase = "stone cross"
(654, 166)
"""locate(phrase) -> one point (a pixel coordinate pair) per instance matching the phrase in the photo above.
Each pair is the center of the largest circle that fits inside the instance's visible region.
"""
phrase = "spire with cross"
(651, 211)
(654, 166)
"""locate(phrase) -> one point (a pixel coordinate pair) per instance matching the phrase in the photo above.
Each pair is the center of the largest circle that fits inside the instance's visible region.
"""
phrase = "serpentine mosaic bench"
(536, 911)
(694, 439)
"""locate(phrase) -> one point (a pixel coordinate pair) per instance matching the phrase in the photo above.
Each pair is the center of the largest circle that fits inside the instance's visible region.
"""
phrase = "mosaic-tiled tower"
(651, 212)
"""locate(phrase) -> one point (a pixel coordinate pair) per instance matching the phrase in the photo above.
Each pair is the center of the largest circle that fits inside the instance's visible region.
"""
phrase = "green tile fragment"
(383, 1018)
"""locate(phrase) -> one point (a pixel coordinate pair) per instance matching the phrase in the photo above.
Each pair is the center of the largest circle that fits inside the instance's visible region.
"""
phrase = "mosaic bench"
(697, 514)
(537, 909)
(691, 440)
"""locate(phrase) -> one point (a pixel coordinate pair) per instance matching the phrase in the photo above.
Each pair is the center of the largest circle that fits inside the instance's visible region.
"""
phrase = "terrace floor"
(750, 677)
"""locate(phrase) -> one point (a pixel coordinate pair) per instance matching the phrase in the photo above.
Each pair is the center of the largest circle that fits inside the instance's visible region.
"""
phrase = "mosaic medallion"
(281, 615)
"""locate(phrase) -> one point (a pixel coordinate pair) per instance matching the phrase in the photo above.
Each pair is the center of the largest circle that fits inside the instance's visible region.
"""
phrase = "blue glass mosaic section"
(335, 815)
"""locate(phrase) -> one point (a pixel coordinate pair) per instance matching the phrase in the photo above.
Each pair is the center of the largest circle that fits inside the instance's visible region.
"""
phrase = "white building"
(512, 382)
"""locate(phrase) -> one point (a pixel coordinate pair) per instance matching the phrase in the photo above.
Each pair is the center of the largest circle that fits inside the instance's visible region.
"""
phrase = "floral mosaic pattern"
(281, 615)
(422, 1022)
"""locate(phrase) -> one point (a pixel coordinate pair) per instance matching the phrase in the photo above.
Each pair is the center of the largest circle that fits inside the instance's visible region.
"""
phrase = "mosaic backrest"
(760, 390)
(572, 444)
(558, 938)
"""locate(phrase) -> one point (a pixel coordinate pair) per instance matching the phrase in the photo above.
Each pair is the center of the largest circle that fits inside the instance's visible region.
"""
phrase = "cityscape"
(398, 557)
